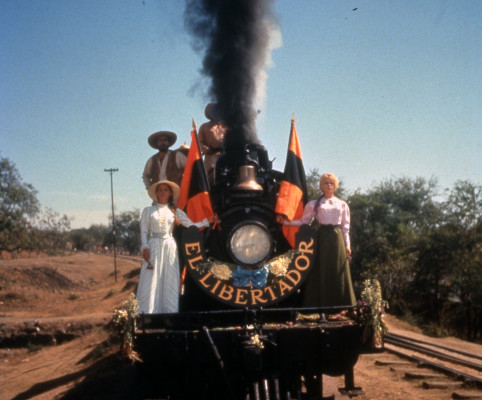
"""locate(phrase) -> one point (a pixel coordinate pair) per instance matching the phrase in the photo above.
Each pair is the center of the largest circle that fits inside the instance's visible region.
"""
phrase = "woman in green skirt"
(329, 283)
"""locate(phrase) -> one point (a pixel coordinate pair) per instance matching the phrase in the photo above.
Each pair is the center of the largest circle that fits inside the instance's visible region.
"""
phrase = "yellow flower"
(221, 271)
(279, 266)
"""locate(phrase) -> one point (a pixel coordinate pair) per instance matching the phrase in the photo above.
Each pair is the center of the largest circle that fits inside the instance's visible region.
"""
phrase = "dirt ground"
(57, 309)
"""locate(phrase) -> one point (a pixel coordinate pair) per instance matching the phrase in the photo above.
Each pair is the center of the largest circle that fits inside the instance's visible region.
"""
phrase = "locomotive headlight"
(250, 243)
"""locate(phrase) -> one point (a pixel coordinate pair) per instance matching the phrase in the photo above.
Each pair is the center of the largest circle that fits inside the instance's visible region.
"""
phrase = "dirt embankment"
(54, 313)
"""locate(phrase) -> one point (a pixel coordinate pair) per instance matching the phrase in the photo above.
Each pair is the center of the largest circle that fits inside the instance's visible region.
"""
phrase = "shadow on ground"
(108, 378)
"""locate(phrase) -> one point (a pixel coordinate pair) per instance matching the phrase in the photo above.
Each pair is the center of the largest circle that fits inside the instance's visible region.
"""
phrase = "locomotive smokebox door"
(245, 282)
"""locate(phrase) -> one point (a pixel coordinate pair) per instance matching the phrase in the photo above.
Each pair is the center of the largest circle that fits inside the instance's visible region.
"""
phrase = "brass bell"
(247, 179)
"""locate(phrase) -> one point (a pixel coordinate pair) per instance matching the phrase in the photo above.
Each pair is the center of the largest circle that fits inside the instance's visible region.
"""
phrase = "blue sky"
(390, 89)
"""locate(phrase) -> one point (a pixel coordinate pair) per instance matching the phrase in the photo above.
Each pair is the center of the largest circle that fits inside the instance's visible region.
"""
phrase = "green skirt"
(329, 283)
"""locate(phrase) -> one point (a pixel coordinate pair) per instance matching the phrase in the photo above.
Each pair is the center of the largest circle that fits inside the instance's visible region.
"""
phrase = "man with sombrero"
(166, 164)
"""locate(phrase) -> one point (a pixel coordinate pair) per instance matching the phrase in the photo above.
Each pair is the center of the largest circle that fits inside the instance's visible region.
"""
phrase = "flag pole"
(194, 127)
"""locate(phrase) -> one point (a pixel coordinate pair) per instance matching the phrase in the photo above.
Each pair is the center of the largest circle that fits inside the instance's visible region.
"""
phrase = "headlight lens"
(250, 243)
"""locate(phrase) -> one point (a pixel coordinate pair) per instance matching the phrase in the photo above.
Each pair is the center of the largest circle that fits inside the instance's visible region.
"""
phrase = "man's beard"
(163, 148)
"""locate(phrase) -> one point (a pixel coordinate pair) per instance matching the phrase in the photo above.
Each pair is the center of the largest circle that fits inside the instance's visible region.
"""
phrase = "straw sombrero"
(174, 187)
(153, 138)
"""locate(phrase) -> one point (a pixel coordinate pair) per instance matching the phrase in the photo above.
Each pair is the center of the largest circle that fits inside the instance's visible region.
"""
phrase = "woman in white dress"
(158, 289)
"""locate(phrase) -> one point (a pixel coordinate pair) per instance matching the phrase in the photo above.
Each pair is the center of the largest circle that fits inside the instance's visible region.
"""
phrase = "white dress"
(158, 289)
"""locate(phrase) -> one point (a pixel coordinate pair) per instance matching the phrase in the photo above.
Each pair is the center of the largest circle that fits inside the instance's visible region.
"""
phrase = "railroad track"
(459, 366)
(443, 353)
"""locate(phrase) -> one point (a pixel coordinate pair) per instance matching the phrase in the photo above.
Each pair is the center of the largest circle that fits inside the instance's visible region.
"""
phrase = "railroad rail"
(425, 348)
(449, 355)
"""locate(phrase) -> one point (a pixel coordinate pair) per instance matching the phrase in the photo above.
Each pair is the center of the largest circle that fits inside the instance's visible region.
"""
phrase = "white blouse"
(331, 211)
(159, 220)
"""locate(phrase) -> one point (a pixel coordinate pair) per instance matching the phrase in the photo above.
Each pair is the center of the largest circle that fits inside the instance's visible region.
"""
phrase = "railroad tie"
(422, 375)
(467, 395)
(392, 363)
(441, 384)
(405, 369)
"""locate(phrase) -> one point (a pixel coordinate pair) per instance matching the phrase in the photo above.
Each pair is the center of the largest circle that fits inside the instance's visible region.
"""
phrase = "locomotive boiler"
(241, 332)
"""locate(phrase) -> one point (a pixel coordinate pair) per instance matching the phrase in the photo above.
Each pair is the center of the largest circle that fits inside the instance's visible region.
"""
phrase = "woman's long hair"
(170, 204)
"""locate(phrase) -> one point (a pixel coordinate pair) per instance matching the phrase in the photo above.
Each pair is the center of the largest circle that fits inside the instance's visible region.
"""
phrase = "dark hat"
(171, 136)
(212, 112)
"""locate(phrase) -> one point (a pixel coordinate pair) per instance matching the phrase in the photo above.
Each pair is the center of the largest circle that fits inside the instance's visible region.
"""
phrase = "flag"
(292, 194)
(194, 194)
(194, 197)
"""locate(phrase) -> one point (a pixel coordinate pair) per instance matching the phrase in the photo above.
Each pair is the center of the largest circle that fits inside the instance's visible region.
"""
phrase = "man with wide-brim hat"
(166, 164)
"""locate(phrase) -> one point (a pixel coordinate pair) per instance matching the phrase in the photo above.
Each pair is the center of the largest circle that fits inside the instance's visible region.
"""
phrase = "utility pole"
(111, 171)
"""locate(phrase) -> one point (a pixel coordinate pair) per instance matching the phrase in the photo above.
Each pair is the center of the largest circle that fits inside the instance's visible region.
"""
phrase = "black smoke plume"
(234, 37)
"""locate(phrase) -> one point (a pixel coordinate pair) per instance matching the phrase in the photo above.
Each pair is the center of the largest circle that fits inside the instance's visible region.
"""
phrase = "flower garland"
(372, 308)
(274, 269)
(124, 319)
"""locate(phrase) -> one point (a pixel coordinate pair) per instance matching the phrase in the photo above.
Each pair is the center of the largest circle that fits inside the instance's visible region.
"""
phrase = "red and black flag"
(292, 195)
(194, 195)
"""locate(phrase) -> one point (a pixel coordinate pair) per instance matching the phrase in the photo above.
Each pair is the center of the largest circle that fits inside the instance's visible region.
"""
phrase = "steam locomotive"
(241, 332)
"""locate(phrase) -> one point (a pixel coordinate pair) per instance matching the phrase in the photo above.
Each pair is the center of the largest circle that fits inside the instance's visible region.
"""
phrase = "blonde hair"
(331, 177)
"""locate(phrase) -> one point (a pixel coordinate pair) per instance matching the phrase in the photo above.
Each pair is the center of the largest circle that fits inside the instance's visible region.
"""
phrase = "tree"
(449, 268)
(50, 232)
(127, 230)
(427, 254)
(464, 204)
(386, 224)
(81, 240)
(87, 239)
(313, 184)
(23, 226)
(463, 211)
(18, 203)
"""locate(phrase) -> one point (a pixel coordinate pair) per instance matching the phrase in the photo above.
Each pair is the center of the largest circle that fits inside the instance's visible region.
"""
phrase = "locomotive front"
(244, 198)
(244, 261)
(240, 332)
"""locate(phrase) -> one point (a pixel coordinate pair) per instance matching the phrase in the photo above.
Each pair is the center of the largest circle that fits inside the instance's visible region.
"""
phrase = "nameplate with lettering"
(229, 283)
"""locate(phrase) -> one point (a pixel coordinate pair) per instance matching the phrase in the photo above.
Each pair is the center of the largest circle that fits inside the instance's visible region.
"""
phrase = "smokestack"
(234, 36)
